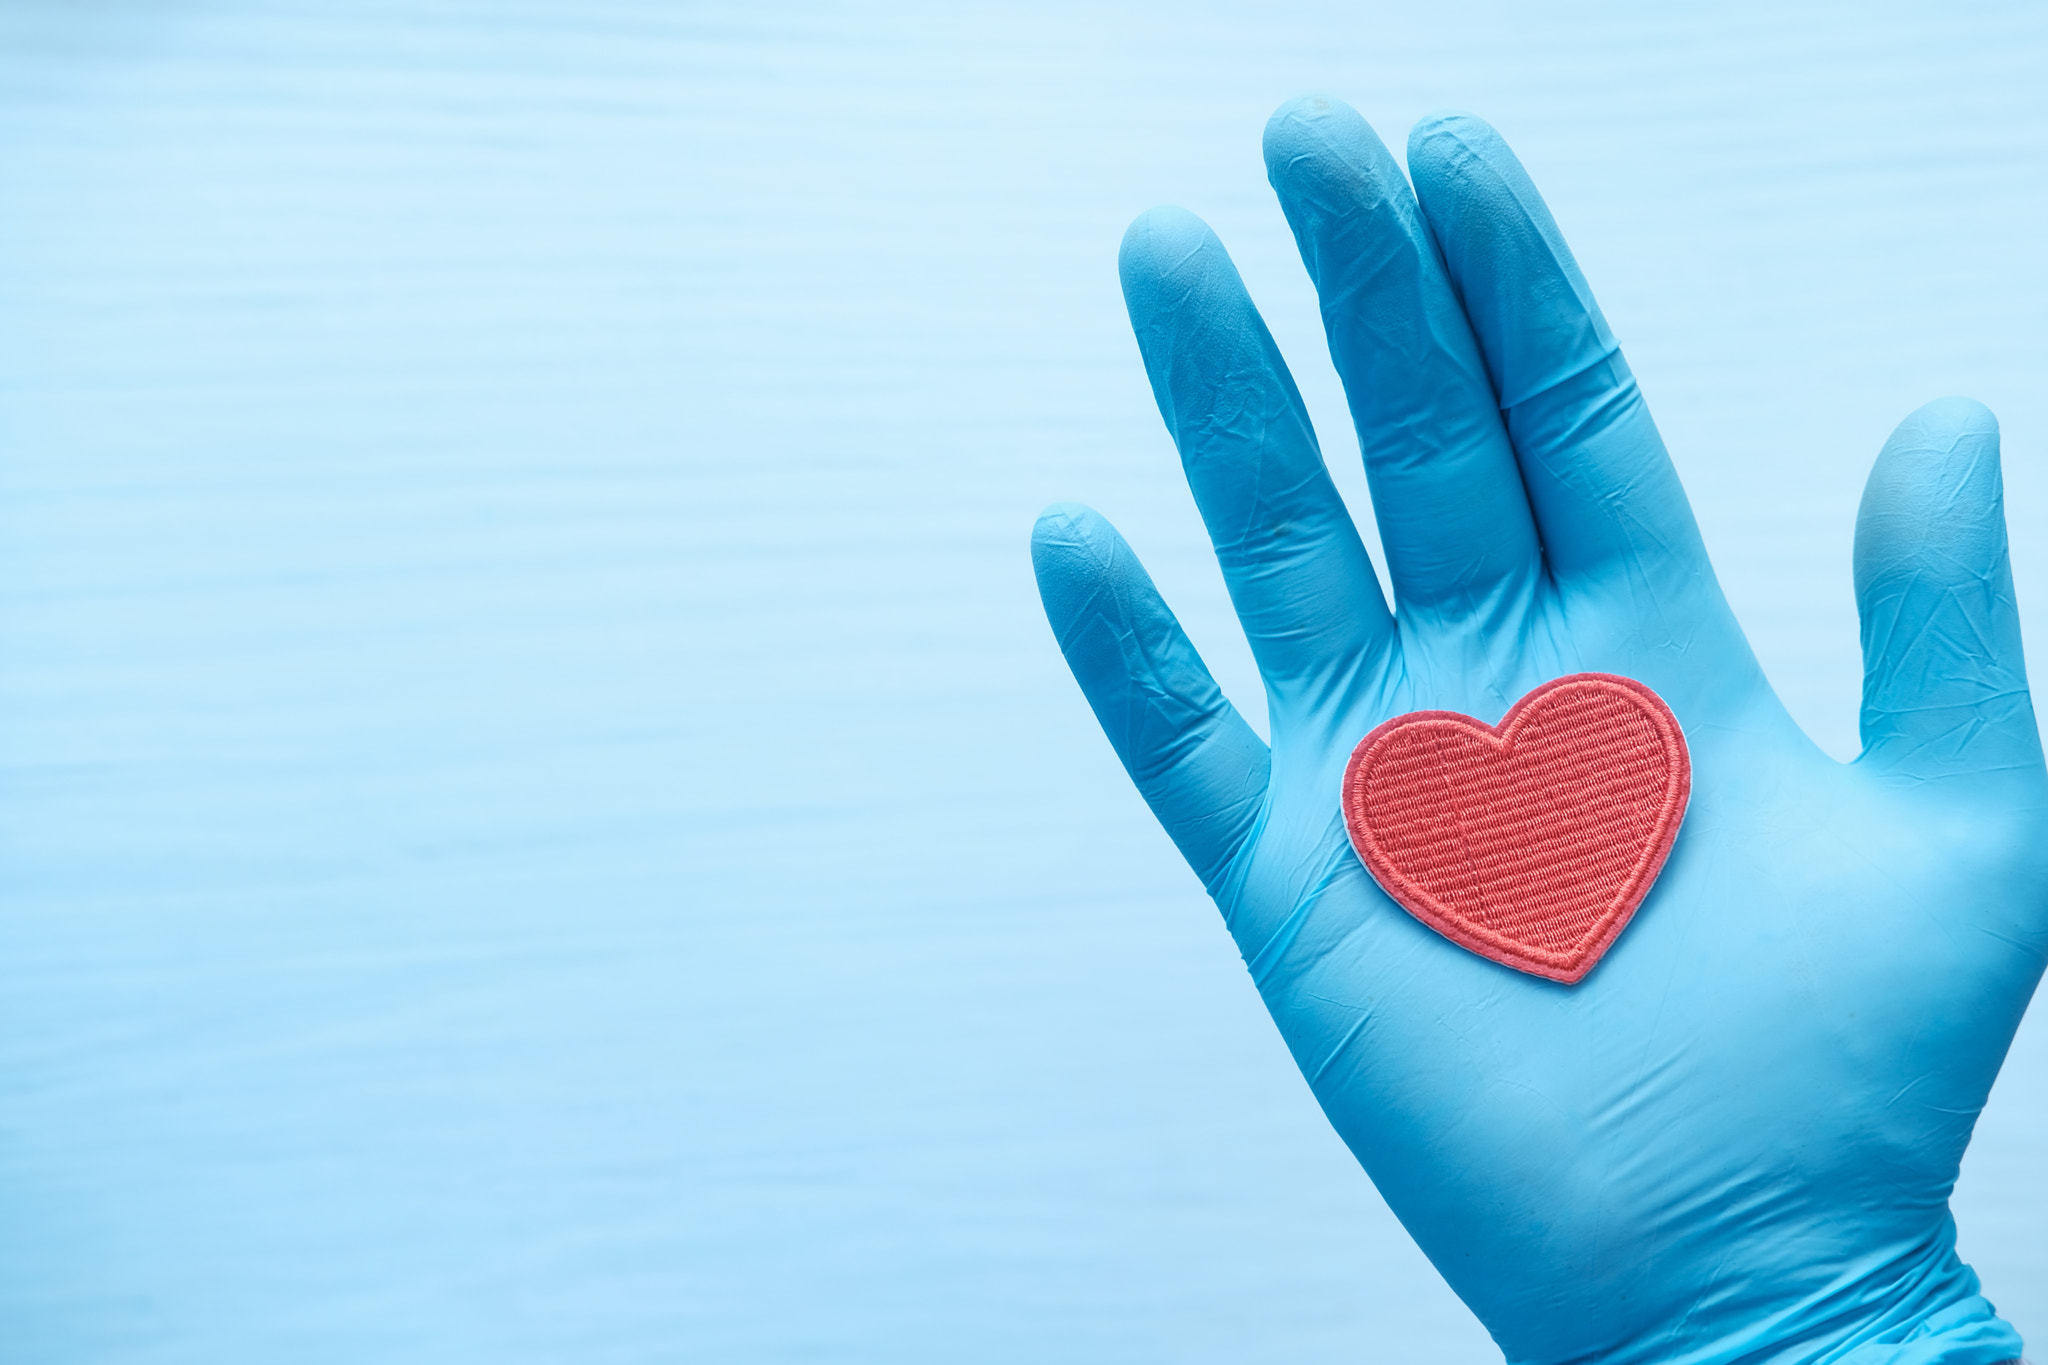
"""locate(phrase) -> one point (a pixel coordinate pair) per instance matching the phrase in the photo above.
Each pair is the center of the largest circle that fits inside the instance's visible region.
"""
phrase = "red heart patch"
(1531, 842)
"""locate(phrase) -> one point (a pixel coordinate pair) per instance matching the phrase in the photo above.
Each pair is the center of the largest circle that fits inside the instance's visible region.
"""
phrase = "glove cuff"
(1966, 1333)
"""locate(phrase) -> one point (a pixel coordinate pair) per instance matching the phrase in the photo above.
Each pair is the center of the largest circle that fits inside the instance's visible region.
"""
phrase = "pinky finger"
(1195, 761)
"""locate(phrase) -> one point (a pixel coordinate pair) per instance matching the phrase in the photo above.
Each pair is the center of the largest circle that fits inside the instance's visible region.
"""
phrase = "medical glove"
(1734, 1141)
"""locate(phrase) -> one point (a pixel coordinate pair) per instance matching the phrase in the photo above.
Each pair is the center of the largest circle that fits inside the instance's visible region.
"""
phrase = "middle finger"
(1461, 543)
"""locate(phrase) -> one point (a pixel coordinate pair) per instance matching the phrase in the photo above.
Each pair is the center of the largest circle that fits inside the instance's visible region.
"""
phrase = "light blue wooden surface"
(538, 820)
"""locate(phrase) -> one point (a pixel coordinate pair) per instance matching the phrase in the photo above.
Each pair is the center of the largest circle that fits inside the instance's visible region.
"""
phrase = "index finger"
(1600, 482)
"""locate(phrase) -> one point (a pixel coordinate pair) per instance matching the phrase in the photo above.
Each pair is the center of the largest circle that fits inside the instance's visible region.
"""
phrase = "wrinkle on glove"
(1940, 623)
(1197, 763)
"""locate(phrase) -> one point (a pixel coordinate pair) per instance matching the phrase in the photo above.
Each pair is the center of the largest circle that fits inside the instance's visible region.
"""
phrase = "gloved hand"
(1735, 1139)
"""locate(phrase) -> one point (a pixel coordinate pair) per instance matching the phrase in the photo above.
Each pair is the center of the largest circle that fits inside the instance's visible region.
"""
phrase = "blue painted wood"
(538, 819)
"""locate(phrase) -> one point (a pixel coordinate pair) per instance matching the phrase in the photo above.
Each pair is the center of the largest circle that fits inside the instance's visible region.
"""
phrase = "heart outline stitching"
(1567, 965)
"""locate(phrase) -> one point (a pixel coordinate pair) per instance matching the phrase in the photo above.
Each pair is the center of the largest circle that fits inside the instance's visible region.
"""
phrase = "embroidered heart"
(1531, 842)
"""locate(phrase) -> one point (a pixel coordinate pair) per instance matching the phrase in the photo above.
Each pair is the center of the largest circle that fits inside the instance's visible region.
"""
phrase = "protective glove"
(1735, 1139)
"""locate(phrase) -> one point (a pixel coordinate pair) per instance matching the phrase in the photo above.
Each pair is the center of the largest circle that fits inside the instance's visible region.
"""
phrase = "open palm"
(1734, 1140)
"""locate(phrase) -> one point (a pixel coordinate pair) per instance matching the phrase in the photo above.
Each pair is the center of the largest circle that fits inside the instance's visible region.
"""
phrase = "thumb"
(1944, 683)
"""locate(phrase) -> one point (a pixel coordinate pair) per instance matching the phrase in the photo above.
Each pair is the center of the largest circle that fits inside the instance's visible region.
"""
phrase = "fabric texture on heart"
(1531, 842)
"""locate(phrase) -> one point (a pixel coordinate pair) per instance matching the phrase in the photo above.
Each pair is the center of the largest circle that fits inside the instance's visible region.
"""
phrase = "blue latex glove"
(1734, 1140)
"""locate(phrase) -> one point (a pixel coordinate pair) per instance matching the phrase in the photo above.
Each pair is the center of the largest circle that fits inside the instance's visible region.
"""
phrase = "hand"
(1735, 1139)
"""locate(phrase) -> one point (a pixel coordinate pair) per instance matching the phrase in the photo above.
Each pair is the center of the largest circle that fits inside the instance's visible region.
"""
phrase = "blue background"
(539, 819)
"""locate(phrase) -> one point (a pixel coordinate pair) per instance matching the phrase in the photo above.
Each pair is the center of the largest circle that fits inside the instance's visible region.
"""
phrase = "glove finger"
(1459, 539)
(1195, 761)
(1606, 498)
(1944, 684)
(1297, 570)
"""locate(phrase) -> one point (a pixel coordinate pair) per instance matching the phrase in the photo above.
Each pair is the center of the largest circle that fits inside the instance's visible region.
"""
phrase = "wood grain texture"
(538, 817)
